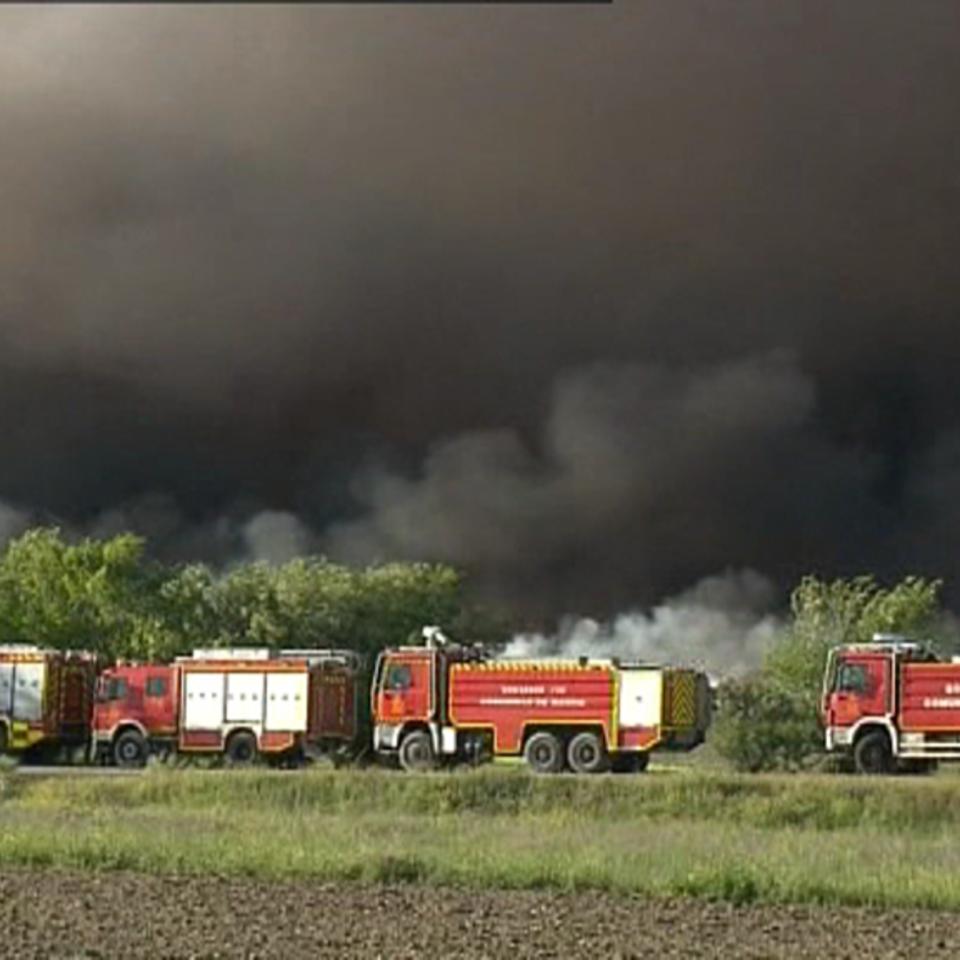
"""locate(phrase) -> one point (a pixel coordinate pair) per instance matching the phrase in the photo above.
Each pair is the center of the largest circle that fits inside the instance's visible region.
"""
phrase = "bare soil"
(75, 914)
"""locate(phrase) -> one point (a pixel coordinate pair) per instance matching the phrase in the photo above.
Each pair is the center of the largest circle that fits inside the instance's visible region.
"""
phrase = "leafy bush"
(762, 726)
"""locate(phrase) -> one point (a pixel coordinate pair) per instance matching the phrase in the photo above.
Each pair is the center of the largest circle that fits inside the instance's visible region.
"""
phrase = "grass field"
(737, 838)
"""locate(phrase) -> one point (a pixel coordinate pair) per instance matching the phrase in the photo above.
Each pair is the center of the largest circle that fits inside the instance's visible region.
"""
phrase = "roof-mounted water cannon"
(434, 638)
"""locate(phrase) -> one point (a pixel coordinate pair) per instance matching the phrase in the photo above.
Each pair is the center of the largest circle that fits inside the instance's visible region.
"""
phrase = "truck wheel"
(587, 754)
(919, 768)
(241, 749)
(543, 753)
(416, 752)
(630, 762)
(3, 739)
(130, 750)
(872, 754)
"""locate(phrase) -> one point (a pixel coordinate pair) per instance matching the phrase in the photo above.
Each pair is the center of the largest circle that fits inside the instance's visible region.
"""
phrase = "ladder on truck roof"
(888, 642)
(328, 655)
(33, 650)
(230, 653)
(246, 654)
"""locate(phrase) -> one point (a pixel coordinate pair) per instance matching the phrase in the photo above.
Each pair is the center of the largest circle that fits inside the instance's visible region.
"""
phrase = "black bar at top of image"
(311, 3)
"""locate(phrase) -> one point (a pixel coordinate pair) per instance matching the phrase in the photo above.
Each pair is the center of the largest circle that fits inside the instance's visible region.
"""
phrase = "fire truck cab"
(891, 704)
(408, 700)
(135, 713)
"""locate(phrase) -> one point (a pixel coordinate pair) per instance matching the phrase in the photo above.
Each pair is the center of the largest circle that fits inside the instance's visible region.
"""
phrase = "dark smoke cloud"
(595, 301)
(640, 467)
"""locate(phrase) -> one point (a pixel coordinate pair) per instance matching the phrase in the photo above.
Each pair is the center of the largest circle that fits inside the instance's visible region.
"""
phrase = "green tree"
(89, 594)
(179, 612)
(312, 602)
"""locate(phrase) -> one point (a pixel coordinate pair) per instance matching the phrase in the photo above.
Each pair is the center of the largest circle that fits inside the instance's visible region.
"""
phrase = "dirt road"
(62, 914)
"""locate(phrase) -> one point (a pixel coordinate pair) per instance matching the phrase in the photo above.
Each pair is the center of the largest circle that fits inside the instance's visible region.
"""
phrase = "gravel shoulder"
(53, 913)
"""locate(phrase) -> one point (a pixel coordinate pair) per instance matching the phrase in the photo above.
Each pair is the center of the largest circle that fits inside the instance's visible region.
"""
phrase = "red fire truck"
(45, 698)
(441, 703)
(891, 704)
(241, 703)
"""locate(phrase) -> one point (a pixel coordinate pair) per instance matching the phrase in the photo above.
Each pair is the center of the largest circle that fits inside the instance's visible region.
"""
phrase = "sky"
(591, 301)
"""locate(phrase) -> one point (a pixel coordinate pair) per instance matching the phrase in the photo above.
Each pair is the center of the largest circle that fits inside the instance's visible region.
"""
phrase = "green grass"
(735, 838)
(825, 802)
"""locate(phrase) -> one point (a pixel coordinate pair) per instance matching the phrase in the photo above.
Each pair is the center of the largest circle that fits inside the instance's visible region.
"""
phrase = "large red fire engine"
(891, 704)
(444, 703)
(45, 698)
(240, 703)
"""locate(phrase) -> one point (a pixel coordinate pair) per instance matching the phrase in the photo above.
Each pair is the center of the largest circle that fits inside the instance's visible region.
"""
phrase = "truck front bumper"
(386, 736)
(838, 738)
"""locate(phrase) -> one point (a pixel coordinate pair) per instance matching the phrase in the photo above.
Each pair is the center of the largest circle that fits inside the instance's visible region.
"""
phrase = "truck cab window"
(113, 688)
(157, 687)
(852, 678)
(399, 677)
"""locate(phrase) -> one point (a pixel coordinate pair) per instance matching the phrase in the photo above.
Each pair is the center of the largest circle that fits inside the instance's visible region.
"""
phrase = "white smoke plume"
(276, 536)
(223, 539)
(723, 624)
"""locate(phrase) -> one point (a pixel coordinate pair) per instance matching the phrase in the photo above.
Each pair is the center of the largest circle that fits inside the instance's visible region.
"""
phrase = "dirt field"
(61, 914)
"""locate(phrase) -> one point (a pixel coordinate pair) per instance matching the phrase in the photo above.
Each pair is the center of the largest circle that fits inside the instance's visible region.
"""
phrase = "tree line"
(109, 597)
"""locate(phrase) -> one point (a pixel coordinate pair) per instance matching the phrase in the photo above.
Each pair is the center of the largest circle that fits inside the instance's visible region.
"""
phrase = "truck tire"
(918, 768)
(130, 750)
(543, 753)
(587, 754)
(241, 749)
(416, 752)
(630, 762)
(872, 755)
(3, 739)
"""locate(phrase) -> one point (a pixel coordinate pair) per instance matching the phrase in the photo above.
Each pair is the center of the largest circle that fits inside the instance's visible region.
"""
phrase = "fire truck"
(891, 705)
(45, 698)
(441, 703)
(240, 703)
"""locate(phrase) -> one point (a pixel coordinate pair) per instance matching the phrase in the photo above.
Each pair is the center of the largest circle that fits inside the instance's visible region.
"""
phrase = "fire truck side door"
(405, 691)
(6, 688)
(112, 706)
(862, 689)
(29, 680)
(158, 700)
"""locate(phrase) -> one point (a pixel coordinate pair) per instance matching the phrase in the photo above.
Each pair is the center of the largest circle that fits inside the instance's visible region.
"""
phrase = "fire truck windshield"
(852, 678)
(399, 677)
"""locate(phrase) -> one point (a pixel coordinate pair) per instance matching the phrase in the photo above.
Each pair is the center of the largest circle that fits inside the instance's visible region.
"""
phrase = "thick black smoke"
(594, 301)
